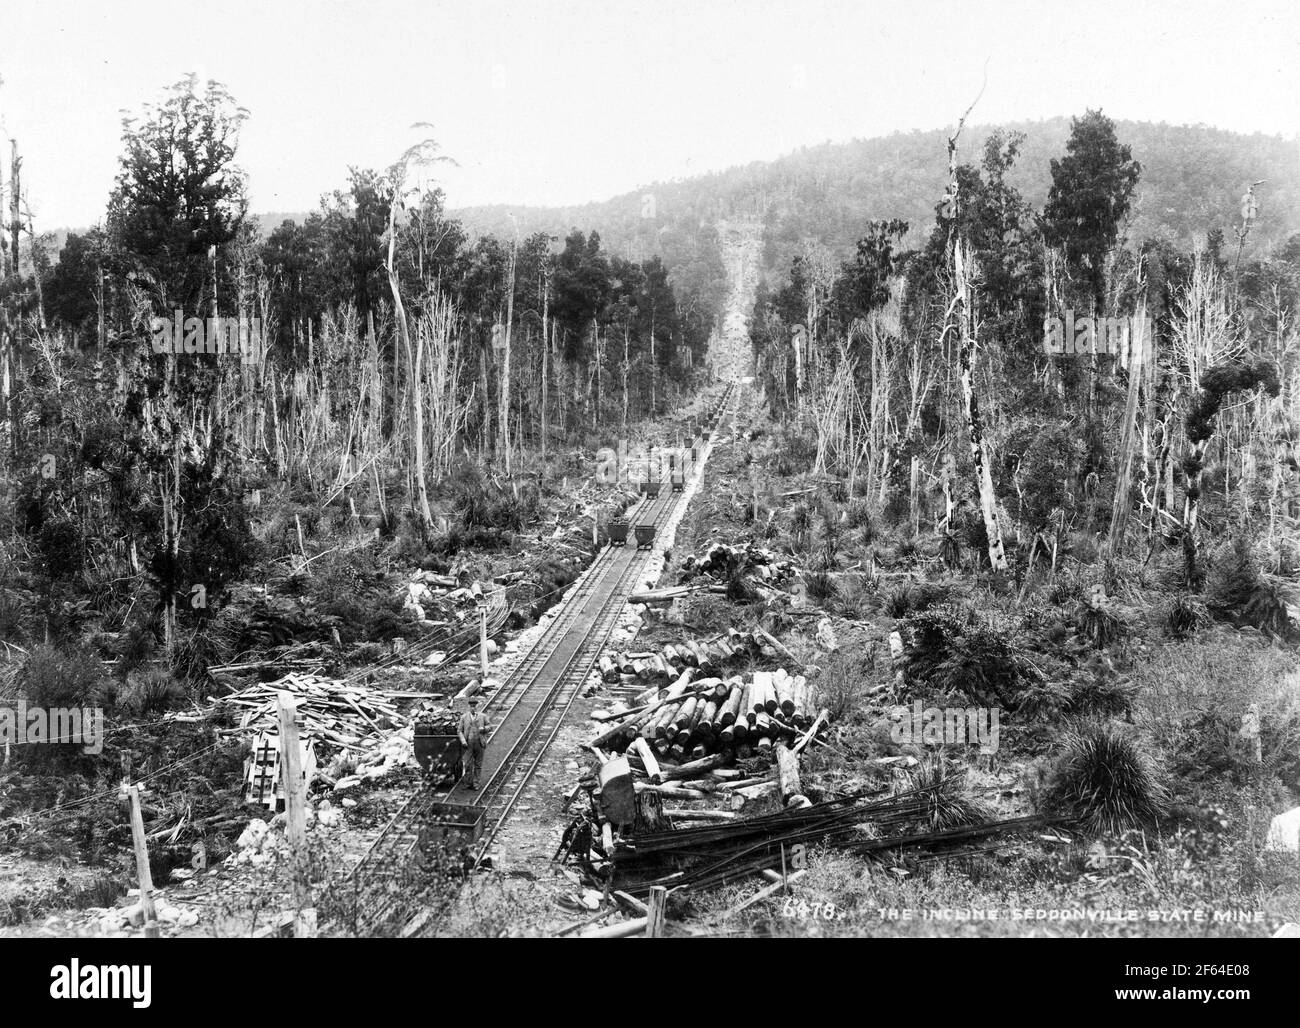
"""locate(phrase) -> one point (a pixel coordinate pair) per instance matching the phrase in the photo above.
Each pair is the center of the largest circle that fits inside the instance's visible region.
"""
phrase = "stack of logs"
(718, 560)
(692, 718)
(660, 666)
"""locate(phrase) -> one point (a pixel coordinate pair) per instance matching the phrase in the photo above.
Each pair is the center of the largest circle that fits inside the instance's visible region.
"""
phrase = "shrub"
(911, 597)
(843, 682)
(859, 514)
(135, 645)
(946, 802)
(1236, 590)
(71, 677)
(967, 656)
(854, 600)
(1101, 690)
(1185, 616)
(151, 693)
(820, 586)
(1100, 626)
(1106, 781)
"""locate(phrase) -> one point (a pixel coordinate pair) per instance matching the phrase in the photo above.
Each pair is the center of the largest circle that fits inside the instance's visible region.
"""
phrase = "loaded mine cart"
(616, 528)
(645, 535)
(437, 747)
(678, 480)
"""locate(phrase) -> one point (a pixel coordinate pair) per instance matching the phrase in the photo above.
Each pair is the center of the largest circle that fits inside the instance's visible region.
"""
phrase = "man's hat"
(473, 701)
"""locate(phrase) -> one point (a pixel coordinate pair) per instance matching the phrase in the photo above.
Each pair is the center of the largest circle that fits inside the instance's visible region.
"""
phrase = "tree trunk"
(416, 379)
(1128, 438)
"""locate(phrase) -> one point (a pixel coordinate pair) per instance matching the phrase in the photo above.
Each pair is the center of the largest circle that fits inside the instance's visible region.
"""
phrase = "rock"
(1284, 832)
(348, 802)
(251, 837)
(351, 782)
(826, 636)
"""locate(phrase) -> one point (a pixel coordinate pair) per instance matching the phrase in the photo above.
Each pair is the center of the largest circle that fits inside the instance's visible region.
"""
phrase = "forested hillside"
(1192, 180)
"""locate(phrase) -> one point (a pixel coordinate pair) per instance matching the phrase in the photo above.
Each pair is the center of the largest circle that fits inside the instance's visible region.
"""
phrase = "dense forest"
(380, 345)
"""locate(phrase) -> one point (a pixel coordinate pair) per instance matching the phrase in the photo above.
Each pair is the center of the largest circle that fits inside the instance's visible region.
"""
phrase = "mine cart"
(645, 536)
(452, 825)
(617, 530)
(437, 754)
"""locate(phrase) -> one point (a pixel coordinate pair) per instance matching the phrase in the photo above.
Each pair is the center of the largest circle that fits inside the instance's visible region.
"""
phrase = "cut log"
(608, 670)
(758, 693)
(704, 726)
(700, 815)
(777, 645)
(704, 658)
(684, 714)
(731, 706)
(785, 695)
(618, 931)
(787, 769)
(648, 761)
(756, 792)
(692, 769)
(673, 657)
(671, 792)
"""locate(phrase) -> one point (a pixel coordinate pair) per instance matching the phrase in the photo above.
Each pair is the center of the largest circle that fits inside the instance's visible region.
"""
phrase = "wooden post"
(295, 799)
(482, 637)
(142, 865)
(654, 928)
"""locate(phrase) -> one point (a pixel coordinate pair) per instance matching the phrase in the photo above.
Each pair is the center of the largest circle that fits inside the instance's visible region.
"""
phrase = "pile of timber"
(698, 716)
(657, 667)
(330, 711)
(719, 560)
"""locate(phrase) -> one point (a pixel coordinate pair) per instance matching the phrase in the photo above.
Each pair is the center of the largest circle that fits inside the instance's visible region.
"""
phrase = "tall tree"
(1092, 189)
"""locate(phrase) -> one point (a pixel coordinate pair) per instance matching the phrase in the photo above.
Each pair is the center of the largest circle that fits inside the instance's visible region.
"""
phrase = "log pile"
(720, 561)
(709, 658)
(700, 715)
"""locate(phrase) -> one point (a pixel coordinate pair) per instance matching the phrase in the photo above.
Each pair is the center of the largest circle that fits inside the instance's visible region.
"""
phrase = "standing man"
(472, 732)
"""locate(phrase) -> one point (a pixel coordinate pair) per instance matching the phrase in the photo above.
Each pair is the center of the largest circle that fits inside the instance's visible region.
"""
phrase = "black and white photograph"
(696, 469)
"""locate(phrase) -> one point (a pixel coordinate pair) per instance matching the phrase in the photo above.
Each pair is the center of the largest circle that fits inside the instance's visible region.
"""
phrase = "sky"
(567, 101)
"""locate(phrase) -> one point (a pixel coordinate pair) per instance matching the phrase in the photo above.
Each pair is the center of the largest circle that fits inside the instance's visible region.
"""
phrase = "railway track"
(528, 709)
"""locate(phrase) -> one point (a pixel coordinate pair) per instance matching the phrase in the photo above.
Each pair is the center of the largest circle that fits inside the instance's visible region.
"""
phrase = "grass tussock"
(1106, 781)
